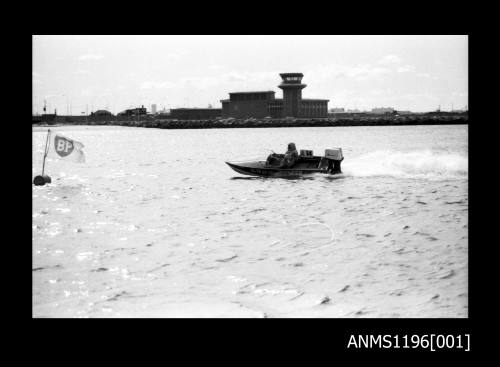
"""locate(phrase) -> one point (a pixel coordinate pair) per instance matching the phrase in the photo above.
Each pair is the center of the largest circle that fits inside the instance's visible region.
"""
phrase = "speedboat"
(306, 164)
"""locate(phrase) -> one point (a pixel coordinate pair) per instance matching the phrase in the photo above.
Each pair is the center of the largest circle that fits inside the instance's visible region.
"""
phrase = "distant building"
(247, 104)
(263, 103)
(195, 113)
(153, 109)
(101, 113)
(133, 112)
(337, 110)
(48, 118)
(382, 110)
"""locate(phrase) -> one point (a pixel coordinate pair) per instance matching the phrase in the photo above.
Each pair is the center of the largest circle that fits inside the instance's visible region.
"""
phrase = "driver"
(291, 156)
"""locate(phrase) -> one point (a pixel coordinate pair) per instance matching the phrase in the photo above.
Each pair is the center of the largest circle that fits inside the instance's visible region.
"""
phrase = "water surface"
(155, 224)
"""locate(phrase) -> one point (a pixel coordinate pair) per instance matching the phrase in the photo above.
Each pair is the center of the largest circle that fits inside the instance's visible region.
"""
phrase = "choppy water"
(155, 224)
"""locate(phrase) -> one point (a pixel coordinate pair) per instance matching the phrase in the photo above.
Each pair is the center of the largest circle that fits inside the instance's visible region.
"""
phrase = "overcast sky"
(416, 73)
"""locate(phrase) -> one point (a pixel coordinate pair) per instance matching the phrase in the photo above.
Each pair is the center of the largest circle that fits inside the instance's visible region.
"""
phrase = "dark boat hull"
(259, 168)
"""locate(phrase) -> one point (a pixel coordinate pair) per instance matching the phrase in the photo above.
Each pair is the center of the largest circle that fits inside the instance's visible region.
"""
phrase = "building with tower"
(263, 104)
(292, 93)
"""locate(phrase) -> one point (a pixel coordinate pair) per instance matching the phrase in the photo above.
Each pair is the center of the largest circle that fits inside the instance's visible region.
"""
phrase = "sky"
(79, 74)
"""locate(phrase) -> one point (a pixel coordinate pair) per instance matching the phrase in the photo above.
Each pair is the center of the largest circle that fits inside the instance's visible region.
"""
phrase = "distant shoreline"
(263, 123)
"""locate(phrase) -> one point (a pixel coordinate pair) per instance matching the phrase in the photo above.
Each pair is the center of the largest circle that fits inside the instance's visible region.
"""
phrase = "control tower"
(292, 93)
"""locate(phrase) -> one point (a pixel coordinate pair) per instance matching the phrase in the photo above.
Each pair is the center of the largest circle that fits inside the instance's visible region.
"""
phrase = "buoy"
(41, 180)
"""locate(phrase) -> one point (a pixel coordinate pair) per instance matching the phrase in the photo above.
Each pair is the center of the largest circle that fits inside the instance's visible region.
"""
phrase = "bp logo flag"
(67, 149)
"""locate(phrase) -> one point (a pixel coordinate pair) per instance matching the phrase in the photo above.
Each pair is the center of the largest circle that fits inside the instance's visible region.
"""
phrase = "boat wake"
(417, 164)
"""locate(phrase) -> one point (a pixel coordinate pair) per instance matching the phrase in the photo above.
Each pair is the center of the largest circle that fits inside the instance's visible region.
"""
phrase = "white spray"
(418, 164)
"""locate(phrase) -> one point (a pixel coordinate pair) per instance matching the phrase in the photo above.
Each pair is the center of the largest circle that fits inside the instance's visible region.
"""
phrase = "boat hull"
(260, 168)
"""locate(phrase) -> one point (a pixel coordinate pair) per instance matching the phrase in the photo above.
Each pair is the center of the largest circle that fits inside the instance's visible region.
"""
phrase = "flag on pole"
(65, 148)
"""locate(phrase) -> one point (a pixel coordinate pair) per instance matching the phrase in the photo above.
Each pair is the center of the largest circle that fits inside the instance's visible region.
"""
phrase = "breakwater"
(148, 122)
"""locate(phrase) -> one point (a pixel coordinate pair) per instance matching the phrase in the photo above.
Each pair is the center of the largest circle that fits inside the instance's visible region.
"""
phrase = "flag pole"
(46, 151)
